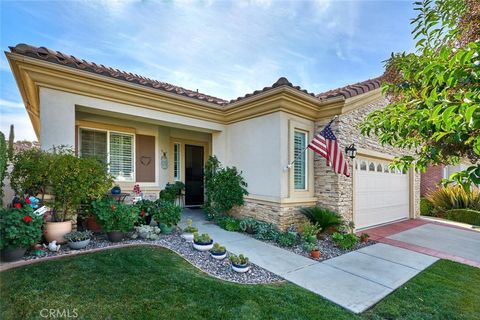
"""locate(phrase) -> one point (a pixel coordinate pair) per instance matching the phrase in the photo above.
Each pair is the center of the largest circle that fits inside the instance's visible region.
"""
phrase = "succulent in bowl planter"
(78, 239)
(189, 231)
(364, 237)
(239, 263)
(218, 252)
(202, 242)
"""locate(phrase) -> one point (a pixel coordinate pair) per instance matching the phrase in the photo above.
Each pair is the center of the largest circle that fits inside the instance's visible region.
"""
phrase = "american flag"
(325, 144)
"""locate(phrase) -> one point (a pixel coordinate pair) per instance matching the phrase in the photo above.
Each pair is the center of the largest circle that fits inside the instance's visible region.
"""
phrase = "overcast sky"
(222, 48)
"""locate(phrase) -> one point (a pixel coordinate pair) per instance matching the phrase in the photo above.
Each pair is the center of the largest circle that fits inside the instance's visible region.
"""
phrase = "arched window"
(379, 168)
(371, 166)
(385, 168)
(363, 166)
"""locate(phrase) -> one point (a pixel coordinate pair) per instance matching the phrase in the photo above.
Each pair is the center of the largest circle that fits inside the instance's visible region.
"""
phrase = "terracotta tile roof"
(57, 57)
(60, 58)
(280, 82)
(352, 90)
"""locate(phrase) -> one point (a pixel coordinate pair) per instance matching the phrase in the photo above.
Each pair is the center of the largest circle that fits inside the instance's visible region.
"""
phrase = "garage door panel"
(380, 196)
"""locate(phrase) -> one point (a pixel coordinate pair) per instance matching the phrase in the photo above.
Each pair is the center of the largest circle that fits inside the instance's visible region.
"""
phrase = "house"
(153, 132)
(433, 175)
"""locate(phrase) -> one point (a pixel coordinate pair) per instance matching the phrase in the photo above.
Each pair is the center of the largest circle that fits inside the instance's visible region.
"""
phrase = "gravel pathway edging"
(201, 260)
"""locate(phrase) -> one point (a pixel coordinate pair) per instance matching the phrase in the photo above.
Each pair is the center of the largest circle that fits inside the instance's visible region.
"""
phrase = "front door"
(193, 175)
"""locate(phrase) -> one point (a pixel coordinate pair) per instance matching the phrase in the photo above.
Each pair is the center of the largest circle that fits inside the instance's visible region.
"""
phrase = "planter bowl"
(12, 254)
(77, 245)
(218, 256)
(115, 236)
(203, 246)
(240, 268)
(188, 236)
(56, 231)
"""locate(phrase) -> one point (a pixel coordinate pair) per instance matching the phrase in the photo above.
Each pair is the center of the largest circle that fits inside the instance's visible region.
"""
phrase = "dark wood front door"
(193, 175)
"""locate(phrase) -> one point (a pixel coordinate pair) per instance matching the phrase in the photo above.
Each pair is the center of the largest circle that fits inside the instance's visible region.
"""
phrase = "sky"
(222, 48)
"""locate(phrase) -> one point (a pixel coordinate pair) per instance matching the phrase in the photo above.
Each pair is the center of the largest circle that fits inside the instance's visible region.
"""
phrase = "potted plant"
(364, 237)
(71, 181)
(189, 231)
(218, 252)
(78, 239)
(167, 216)
(315, 253)
(20, 228)
(239, 263)
(115, 218)
(148, 209)
(202, 242)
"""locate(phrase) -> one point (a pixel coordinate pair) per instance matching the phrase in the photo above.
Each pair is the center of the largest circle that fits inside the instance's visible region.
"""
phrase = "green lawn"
(154, 283)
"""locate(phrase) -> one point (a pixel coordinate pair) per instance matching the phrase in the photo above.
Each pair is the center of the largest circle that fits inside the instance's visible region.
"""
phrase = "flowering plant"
(19, 226)
(114, 216)
(136, 189)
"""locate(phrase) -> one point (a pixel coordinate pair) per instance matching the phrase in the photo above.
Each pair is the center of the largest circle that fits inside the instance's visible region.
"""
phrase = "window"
(385, 168)
(300, 165)
(176, 162)
(379, 167)
(371, 166)
(117, 149)
(363, 166)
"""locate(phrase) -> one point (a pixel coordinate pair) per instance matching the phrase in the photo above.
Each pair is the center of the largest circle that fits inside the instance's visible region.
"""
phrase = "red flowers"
(27, 201)
(113, 207)
(142, 213)
(17, 205)
(27, 219)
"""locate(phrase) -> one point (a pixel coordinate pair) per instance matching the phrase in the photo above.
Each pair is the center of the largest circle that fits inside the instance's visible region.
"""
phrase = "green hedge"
(464, 215)
(3, 164)
(426, 207)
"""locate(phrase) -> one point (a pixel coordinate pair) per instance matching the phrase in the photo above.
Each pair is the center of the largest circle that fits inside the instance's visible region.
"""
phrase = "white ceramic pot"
(219, 256)
(202, 247)
(188, 237)
(77, 245)
(240, 268)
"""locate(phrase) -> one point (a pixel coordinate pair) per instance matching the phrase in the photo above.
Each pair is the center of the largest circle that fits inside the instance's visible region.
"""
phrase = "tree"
(434, 93)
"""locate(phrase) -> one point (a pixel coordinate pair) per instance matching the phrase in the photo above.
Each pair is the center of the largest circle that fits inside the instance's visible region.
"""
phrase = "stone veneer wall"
(336, 191)
(281, 216)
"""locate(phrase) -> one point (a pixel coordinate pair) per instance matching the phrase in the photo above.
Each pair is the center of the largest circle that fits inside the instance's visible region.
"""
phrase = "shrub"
(19, 227)
(308, 246)
(239, 260)
(77, 236)
(325, 218)
(464, 215)
(309, 232)
(286, 239)
(345, 240)
(169, 194)
(146, 208)
(225, 187)
(3, 163)
(228, 223)
(266, 231)
(168, 213)
(454, 197)
(31, 172)
(147, 232)
(426, 207)
(113, 216)
(248, 225)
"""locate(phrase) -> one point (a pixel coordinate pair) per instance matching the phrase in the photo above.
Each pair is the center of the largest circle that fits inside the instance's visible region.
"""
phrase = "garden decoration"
(53, 246)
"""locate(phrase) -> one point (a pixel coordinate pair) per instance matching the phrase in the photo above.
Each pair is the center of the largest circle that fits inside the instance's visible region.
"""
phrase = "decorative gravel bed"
(202, 260)
(327, 247)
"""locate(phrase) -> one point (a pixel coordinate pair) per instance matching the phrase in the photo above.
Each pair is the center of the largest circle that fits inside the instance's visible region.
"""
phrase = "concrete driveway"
(432, 238)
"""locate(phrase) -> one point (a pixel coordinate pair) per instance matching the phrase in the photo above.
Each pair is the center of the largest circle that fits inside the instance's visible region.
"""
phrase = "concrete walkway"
(434, 238)
(355, 281)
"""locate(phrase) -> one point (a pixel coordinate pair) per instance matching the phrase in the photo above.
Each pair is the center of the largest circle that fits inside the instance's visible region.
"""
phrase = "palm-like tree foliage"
(325, 218)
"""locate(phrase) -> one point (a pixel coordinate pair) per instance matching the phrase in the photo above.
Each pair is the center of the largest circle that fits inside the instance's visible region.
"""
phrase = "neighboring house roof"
(60, 58)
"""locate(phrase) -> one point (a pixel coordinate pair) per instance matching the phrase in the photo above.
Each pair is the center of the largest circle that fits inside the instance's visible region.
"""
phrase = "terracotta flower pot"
(93, 225)
(12, 254)
(56, 231)
(365, 240)
(315, 254)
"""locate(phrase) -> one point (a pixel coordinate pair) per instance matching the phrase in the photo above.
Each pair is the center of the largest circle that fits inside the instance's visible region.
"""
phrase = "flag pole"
(303, 151)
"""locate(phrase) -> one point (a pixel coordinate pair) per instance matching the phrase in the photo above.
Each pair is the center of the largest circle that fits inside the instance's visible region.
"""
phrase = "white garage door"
(381, 195)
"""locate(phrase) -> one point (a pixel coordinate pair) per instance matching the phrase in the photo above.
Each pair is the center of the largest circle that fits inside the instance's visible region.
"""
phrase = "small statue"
(53, 246)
